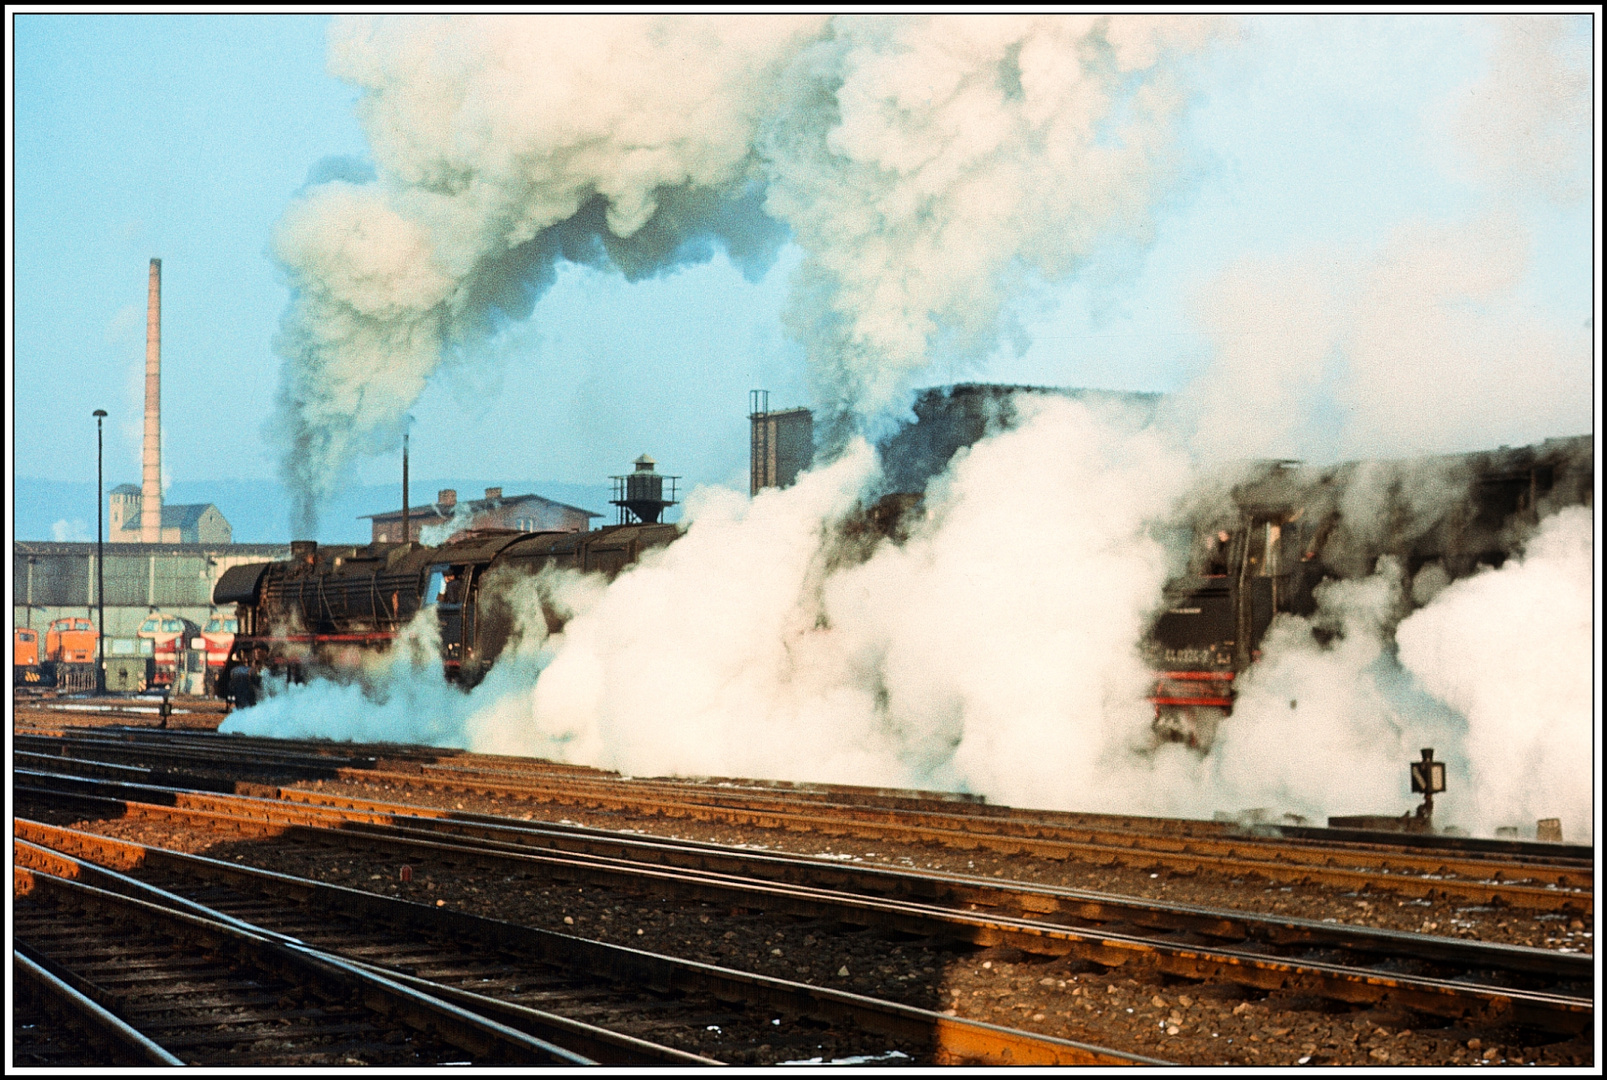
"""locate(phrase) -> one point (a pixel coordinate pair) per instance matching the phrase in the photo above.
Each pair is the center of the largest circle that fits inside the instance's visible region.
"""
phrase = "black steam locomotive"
(1284, 529)
(324, 609)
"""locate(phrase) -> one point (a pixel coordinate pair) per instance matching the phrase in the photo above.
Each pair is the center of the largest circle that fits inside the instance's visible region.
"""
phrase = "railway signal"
(1428, 778)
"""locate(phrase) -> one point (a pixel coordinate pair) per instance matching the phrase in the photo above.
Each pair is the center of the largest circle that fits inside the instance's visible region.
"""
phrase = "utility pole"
(100, 554)
(405, 535)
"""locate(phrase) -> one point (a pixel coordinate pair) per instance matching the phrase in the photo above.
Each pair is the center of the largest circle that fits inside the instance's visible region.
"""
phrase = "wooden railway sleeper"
(1438, 996)
(478, 1035)
(963, 827)
(1107, 852)
(1013, 900)
(953, 1040)
(1244, 966)
(1199, 839)
(65, 997)
(1546, 898)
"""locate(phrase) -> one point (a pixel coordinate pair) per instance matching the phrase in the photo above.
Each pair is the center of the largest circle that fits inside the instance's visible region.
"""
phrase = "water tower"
(640, 494)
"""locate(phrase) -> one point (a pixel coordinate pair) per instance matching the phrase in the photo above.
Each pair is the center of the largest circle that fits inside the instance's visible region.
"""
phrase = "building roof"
(87, 547)
(180, 516)
(126, 489)
(474, 506)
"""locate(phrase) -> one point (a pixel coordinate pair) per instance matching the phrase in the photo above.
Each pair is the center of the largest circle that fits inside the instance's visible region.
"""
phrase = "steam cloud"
(750, 647)
(1511, 650)
(1003, 662)
(924, 165)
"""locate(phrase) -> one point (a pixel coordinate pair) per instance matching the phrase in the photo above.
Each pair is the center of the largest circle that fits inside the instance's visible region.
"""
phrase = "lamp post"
(100, 556)
(405, 537)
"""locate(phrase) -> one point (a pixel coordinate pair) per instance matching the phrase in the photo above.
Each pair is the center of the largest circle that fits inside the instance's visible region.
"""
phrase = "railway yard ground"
(227, 900)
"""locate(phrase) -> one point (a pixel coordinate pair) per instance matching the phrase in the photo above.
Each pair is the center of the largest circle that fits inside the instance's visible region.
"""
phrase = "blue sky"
(186, 137)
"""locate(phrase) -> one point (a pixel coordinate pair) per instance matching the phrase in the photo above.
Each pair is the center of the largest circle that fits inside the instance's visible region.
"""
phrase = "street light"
(100, 556)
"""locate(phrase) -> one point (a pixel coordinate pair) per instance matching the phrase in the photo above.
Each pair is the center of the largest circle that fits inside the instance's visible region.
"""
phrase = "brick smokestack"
(150, 517)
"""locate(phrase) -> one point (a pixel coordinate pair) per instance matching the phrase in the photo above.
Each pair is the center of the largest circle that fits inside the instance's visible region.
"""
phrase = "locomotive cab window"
(1212, 556)
(436, 585)
(1265, 548)
(445, 586)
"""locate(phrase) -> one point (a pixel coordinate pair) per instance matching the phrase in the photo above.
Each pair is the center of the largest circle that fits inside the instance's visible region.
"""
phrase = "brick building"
(526, 513)
(193, 523)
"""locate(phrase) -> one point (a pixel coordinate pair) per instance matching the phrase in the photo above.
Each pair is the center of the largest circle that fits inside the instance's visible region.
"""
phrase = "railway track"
(1524, 876)
(54, 1025)
(435, 767)
(1352, 965)
(593, 999)
(206, 992)
(876, 918)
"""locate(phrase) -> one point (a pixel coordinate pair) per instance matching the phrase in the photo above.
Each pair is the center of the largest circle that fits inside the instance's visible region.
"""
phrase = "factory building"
(782, 443)
(188, 523)
(525, 513)
(58, 580)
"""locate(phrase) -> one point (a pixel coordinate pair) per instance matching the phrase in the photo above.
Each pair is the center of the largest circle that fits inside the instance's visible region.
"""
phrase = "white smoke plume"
(69, 530)
(750, 646)
(1512, 650)
(1526, 125)
(439, 533)
(995, 650)
(1434, 340)
(1327, 729)
(1428, 346)
(925, 166)
(1494, 672)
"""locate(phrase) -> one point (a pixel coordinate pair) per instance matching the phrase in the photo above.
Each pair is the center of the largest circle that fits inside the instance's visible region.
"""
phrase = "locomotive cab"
(1240, 576)
(449, 590)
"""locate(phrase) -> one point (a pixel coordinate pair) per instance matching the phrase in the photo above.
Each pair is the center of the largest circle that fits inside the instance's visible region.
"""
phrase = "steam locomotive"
(1284, 529)
(1259, 542)
(325, 609)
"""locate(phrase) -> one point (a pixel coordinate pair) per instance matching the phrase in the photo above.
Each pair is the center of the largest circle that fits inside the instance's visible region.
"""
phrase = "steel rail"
(301, 965)
(954, 1040)
(1033, 821)
(1005, 834)
(1482, 891)
(381, 761)
(1018, 899)
(42, 848)
(965, 892)
(61, 999)
(1556, 1011)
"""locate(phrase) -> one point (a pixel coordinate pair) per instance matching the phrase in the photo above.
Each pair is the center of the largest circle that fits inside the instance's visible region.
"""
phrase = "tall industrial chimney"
(150, 517)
